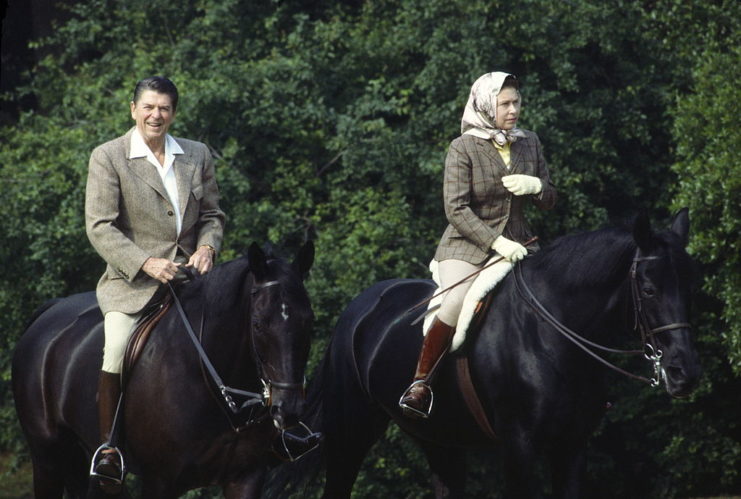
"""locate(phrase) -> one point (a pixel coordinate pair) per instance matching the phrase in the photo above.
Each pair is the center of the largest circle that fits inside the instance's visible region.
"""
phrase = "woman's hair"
(511, 81)
(159, 84)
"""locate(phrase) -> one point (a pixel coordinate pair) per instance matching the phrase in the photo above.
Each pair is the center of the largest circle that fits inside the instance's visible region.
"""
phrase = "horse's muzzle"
(286, 415)
(681, 381)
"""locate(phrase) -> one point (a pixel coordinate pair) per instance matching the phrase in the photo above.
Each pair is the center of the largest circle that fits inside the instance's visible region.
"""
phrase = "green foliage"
(330, 121)
(708, 131)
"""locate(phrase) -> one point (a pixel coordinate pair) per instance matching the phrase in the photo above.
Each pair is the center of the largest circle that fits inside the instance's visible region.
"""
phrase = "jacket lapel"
(515, 152)
(146, 172)
(143, 169)
(488, 149)
(184, 169)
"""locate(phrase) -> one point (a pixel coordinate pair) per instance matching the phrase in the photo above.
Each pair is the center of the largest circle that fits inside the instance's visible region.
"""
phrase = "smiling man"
(151, 205)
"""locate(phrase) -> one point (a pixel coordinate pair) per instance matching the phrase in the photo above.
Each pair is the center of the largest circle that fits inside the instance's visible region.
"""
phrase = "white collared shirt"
(139, 149)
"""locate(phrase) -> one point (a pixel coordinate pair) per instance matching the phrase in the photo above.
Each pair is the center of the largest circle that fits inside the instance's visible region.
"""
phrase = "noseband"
(651, 351)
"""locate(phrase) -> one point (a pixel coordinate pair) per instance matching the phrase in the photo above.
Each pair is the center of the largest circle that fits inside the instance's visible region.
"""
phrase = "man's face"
(153, 114)
(508, 108)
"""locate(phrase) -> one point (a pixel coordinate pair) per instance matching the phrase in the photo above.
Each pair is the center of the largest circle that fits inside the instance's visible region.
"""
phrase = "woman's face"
(508, 108)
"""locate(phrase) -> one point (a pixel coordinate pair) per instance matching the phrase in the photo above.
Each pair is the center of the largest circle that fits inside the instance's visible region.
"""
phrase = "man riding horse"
(151, 205)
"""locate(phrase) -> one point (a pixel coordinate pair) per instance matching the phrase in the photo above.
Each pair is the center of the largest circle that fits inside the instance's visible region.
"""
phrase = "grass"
(15, 481)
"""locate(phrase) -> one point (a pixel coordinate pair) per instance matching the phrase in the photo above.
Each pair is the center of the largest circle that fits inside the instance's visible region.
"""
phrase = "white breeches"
(118, 328)
(452, 271)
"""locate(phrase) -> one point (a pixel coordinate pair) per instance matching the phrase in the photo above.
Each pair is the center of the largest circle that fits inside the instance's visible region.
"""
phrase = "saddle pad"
(482, 284)
(141, 334)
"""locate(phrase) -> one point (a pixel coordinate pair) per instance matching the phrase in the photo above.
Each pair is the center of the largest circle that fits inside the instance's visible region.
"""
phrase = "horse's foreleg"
(449, 469)
(351, 427)
(520, 458)
(58, 466)
(155, 488)
(567, 469)
(248, 487)
(48, 482)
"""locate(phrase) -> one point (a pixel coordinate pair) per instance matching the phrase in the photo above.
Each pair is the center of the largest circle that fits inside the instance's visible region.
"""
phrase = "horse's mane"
(591, 257)
(223, 285)
(587, 257)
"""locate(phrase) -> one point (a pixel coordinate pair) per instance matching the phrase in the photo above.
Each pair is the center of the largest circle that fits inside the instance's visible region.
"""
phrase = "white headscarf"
(480, 115)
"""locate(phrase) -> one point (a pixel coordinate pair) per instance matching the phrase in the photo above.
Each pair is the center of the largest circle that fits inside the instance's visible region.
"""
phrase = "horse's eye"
(649, 291)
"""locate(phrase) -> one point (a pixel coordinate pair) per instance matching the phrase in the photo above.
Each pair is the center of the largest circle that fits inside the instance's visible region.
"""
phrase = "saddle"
(153, 312)
(142, 331)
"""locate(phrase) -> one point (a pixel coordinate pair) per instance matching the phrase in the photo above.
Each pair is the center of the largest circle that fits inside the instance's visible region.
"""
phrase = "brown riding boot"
(108, 468)
(416, 401)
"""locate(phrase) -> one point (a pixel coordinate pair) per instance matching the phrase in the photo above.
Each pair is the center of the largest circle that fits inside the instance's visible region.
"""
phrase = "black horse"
(540, 394)
(253, 317)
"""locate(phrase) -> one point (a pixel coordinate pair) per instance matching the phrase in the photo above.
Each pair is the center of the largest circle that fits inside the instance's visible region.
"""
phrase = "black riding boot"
(416, 401)
(108, 468)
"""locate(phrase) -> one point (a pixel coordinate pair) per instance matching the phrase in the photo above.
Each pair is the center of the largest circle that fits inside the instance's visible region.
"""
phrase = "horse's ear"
(642, 232)
(258, 261)
(681, 225)
(304, 259)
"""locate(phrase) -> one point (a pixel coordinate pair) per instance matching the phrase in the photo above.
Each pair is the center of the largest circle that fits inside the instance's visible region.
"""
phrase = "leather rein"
(651, 351)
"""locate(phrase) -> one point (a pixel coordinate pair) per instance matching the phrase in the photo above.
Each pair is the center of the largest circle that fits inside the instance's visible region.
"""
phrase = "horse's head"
(281, 321)
(661, 279)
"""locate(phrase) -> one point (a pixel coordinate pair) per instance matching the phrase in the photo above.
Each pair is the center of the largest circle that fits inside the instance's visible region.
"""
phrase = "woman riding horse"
(490, 170)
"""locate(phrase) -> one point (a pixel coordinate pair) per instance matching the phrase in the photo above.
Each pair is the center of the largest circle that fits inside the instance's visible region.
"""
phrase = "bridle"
(253, 400)
(267, 383)
(651, 351)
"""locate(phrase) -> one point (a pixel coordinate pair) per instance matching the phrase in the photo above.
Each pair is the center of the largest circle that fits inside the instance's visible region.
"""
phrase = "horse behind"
(540, 393)
(253, 319)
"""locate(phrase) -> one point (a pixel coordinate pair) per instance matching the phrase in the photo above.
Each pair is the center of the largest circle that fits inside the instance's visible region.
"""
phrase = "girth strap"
(472, 399)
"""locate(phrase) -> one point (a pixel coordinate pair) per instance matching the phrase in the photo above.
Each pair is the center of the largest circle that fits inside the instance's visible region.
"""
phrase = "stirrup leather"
(414, 410)
(98, 455)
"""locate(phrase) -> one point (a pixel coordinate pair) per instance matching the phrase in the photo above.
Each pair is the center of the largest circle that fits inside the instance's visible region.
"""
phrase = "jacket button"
(170, 213)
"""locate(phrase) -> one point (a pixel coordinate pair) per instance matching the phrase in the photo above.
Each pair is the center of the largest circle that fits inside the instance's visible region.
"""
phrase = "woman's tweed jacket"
(478, 206)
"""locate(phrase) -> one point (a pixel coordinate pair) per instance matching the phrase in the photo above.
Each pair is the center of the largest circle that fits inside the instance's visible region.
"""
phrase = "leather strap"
(472, 399)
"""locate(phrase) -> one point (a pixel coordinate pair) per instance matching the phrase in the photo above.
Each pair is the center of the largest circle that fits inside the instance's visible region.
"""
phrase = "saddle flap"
(141, 334)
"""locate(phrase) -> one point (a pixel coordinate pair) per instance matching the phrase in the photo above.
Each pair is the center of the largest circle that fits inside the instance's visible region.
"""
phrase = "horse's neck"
(588, 294)
(227, 335)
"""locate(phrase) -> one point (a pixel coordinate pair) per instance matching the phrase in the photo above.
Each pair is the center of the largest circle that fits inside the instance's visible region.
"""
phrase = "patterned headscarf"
(480, 116)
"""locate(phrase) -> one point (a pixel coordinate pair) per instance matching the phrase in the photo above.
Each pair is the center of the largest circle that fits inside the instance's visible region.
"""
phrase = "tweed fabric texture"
(478, 206)
(129, 217)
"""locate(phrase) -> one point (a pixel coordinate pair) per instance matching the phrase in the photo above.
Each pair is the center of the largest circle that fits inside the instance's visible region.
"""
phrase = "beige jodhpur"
(118, 328)
(452, 271)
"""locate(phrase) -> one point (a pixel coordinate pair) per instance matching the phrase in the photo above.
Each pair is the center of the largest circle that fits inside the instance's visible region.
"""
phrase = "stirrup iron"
(97, 456)
(413, 411)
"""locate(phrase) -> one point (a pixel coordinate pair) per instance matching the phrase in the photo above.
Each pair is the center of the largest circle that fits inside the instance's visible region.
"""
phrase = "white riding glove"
(519, 185)
(512, 251)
